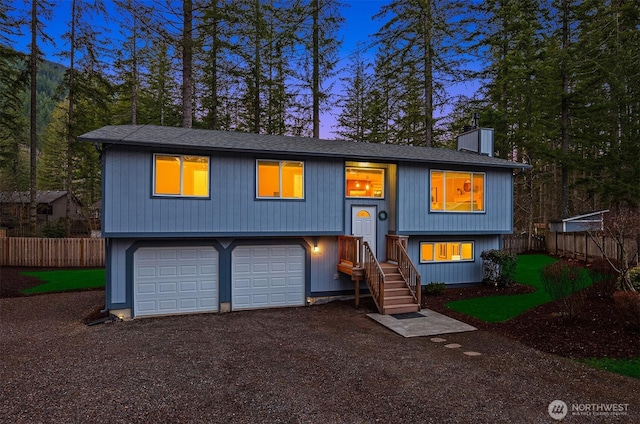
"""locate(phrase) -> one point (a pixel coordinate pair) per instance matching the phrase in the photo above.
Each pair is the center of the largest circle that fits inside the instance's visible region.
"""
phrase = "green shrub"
(634, 275)
(55, 229)
(434, 289)
(564, 282)
(627, 304)
(604, 277)
(498, 268)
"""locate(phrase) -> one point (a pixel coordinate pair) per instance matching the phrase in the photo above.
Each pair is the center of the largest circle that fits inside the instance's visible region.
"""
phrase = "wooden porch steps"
(397, 296)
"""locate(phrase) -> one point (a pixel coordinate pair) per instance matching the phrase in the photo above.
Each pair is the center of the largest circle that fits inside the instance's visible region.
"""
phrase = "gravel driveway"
(324, 364)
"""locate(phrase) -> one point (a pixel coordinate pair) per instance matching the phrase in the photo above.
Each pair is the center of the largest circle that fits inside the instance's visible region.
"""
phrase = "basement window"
(457, 251)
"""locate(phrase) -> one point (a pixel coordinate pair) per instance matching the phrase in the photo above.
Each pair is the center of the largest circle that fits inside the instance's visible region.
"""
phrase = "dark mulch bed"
(12, 282)
(596, 332)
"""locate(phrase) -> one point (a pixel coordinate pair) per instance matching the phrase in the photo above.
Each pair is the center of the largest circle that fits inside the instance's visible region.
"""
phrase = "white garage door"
(175, 280)
(267, 276)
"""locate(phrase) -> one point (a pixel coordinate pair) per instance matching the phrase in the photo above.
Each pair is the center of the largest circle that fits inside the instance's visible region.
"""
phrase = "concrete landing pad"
(430, 323)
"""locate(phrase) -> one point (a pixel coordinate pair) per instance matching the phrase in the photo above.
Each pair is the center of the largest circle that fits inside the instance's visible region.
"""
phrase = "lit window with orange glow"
(446, 252)
(364, 182)
(178, 175)
(280, 179)
(454, 191)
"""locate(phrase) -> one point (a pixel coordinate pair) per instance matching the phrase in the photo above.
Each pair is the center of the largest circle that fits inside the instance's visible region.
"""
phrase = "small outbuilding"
(575, 224)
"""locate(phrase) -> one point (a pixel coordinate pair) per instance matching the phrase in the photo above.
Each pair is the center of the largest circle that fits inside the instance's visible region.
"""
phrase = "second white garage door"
(267, 276)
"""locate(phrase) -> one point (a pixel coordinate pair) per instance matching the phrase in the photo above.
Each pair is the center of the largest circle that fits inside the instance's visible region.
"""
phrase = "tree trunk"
(214, 68)
(428, 76)
(134, 66)
(316, 70)
(187, 64)
(565, 112)
(70, 117)
(33, 141)
(256, 71)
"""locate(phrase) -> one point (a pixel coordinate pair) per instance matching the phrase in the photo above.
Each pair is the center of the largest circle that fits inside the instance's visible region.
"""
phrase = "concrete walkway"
(423, 323)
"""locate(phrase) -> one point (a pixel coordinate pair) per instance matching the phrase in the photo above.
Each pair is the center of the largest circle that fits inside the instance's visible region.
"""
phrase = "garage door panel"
(242, 268)
(146, 306)
(207, 270)
(279, 298)
(278, 267)
(210, 285)
(188, 270)
(278, 282)
(188, 286)
(295, 282)
(167, 271)
(168, 305)
(167, 254)
(145, 255)
(260, 268)
(189, 303)
(145, 288)
(168, 287)
(146, 271)
(187, 254)
(276, 276)
(175, 280)
(278, 252)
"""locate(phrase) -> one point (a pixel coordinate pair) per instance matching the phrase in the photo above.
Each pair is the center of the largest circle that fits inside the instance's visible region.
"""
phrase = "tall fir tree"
(417, 42)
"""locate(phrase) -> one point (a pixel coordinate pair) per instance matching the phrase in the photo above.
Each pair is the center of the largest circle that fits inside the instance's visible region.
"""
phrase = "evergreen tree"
(319, 37)
(130, 59)
(416, 46)
(161, 92)
(351, 122)
(85, 50)
(607, 125)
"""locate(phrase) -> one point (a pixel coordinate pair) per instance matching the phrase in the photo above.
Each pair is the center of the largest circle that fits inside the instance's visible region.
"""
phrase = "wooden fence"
(520, 243)
(581, 246)
(52, 252)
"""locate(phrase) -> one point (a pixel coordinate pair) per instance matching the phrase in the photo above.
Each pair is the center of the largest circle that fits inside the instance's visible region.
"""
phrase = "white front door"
(363, 224)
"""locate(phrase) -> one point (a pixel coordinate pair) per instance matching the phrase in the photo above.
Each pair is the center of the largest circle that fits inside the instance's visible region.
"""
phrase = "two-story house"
(206, 221)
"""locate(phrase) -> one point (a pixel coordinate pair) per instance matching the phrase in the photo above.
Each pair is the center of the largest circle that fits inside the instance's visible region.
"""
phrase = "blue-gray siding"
(321, 279)
(414, 216)
(452, 272)
(232, 207)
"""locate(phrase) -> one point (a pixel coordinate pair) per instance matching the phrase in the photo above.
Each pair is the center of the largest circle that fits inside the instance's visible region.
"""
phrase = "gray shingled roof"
(42, 196)
(226, 141)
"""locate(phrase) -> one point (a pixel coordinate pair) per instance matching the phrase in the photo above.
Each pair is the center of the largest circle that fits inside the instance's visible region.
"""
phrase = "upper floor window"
(181, 175)
(365, 182)
(280, 179)
(454, 191)
(446, 251)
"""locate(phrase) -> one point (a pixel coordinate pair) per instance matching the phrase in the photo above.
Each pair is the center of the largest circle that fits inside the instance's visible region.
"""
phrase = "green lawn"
(628, 367)
(65, 280)
(503, 308)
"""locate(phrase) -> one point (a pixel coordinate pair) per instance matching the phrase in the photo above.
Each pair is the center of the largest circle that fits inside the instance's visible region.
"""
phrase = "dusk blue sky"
(358, 27)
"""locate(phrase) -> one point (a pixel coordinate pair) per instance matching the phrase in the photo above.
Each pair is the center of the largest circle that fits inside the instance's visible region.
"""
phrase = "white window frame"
(181, 157)
(280, 163)
(436, 261)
